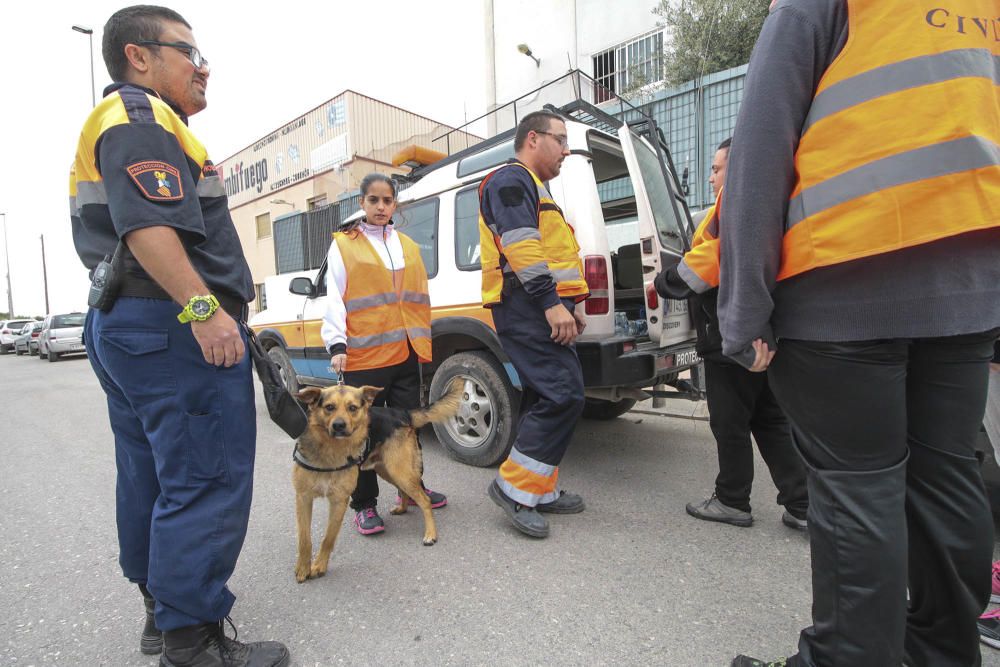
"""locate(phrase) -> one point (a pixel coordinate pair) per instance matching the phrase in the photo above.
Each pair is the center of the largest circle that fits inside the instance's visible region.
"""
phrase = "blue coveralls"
(185, 430)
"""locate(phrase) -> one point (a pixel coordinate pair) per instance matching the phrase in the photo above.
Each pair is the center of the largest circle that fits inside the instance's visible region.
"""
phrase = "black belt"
(147, 289)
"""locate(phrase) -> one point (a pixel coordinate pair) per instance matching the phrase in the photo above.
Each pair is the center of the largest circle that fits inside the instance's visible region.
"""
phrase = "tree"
(705, 36)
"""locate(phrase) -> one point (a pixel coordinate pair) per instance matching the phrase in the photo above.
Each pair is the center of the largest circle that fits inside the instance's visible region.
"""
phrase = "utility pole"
(89, 32)
(45, 275)
(6, 252)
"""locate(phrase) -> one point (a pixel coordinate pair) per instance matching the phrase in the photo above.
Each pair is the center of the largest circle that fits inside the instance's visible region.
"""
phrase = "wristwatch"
(199, 309)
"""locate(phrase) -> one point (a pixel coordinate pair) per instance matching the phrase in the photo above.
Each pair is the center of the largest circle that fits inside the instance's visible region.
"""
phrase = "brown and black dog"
(343, 426)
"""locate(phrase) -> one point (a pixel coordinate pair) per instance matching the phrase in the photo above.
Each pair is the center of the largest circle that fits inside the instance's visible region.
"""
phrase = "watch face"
(201, 307)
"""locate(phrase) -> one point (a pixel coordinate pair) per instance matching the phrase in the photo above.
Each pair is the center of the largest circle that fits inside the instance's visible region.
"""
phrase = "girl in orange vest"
(377, 325)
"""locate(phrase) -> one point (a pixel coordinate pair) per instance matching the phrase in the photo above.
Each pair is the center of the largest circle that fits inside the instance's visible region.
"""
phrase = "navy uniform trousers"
(185, 434)
(551, 379)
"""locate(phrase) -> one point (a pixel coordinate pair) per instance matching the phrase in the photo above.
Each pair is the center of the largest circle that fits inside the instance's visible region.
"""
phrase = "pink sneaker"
(368, 522)
(995, 592)
(989, 628)
(438, 500)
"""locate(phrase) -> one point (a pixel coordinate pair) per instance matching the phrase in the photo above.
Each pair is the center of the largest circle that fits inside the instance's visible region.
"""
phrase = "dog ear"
(370, 393)
(309, 395)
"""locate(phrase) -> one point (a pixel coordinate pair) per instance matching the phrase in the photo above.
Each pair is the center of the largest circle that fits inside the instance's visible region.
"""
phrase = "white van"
(619, 193)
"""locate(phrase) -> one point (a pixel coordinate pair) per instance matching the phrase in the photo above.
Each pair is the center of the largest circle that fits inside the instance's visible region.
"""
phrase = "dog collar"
(351, 461)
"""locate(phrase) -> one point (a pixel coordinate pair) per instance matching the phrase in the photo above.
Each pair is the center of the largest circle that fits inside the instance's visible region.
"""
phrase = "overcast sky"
(271, 62)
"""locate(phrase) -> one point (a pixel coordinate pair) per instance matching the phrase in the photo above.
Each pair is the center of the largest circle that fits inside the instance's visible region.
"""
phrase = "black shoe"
(793, 521)
(747, 661)
(206, 645)
(524, 518)
(566, 503)
(713, 509)
(151, 640)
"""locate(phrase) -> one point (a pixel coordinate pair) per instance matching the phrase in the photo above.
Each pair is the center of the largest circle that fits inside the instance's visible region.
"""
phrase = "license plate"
(688, 358)
(674, 307)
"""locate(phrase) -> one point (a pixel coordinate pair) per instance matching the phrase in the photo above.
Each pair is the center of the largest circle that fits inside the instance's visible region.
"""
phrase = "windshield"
(15, 325)
(66, 321)
(660, 197)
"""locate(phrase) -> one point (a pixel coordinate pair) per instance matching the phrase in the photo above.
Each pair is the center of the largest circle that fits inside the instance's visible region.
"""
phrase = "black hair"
(129, 26)
(536, 121)
(375, 177)
(725, 144)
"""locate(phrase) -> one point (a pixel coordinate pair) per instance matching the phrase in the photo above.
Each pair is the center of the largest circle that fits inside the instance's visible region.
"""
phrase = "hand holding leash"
(338, 362)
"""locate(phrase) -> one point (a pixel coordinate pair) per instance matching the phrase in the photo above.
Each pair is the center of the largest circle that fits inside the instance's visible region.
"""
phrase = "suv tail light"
(652, 299)
(595, 272)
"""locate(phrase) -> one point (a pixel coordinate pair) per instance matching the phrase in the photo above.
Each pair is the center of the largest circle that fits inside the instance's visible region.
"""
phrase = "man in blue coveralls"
(169, 353)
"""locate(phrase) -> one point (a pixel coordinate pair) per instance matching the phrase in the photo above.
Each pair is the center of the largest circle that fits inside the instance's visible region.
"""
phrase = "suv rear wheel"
(484, 429)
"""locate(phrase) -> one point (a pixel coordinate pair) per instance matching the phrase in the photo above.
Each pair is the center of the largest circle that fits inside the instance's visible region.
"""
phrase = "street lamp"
(282, 201)
(89, 32)
(6, 252)
(523, 48)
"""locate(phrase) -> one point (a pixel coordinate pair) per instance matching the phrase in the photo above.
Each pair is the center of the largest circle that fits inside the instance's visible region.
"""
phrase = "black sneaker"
(566, 503)
(207, 645)
(747, 661)
(524, 518)
(368, 522)
(989, 628)
(793, 521)
(713, 509)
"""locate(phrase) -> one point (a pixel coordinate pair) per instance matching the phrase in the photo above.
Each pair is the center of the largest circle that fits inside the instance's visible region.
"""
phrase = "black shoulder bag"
(284, 409)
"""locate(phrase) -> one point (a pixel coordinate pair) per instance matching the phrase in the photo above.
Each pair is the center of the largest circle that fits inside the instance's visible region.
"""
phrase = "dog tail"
(441, 409)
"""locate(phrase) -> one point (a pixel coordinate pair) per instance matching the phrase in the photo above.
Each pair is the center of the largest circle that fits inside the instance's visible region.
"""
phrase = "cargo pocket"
(139, 361)
(206, 451)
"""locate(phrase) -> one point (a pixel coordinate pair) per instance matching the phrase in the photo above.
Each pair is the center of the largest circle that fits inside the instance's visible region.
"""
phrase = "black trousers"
(887, 429)
(741, 403)
(400, 389)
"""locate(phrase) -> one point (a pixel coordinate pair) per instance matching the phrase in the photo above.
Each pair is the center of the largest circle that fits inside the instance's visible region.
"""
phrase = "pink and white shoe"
(995, 592)
(368, 522)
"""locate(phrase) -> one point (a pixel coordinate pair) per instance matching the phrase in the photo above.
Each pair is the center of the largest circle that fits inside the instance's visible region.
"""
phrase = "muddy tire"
(280, 357)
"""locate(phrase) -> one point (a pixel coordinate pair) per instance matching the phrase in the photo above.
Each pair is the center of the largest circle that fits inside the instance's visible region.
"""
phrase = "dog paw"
(430, 541)
(398, 509)
(301, 574)
(317, 570)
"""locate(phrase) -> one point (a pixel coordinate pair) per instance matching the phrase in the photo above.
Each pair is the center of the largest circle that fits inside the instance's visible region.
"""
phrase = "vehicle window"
(491, 157)
(66, 321)
(660, 197)
(16, 325)
(467, 229)
(419, 221)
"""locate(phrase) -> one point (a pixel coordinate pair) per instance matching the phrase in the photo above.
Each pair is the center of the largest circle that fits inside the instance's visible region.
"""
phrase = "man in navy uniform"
(169, 353)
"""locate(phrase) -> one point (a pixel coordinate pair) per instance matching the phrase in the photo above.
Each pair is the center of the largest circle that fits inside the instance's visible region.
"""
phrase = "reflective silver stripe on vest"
(419, 332)
(360, 342)
(948, 157)
(565, 275)
(530, 464)
(211, 186)
(895, 77)
(415, 297)
(72, 207)
(692, 279)
(91, 192)
(533, 271)
(520, 234)
(370, 301)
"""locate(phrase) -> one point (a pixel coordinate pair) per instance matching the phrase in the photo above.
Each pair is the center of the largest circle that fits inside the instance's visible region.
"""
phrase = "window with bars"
(628, 66)
(263, 226)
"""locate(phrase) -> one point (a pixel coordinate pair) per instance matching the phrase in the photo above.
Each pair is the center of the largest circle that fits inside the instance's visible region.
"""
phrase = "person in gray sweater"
(880, 355)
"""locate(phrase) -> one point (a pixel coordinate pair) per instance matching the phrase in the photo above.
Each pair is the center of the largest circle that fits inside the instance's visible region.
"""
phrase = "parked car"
(27, 340)
(9, 329)
(61, 334)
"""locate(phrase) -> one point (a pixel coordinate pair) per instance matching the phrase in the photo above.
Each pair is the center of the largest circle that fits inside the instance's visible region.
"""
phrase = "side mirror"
(301, 285)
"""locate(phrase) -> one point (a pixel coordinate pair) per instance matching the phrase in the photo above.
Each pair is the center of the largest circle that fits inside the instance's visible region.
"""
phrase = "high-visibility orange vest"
(699, 268)
(901, 145)
(380, 320)
(551, 249)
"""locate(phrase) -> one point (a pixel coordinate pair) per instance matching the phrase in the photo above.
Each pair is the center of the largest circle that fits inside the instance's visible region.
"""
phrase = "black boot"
(857, 534)
(206, 645)
(151, 641)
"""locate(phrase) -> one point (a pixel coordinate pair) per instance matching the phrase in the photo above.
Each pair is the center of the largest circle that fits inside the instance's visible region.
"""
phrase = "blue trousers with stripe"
(185, 436)
(550, 373)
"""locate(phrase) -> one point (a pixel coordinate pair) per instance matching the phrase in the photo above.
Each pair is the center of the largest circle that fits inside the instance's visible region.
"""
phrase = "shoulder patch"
(157, 181)
(511, 195)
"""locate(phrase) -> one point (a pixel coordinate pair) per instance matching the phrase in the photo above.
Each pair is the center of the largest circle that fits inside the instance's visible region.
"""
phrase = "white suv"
(9, 330)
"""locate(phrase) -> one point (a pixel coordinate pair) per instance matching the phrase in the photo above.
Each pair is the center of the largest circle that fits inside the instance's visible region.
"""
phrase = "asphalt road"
(633, 580)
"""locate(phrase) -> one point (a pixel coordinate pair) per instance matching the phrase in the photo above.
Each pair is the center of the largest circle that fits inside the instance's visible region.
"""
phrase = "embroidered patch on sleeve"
(511, 195)
(157, 181)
